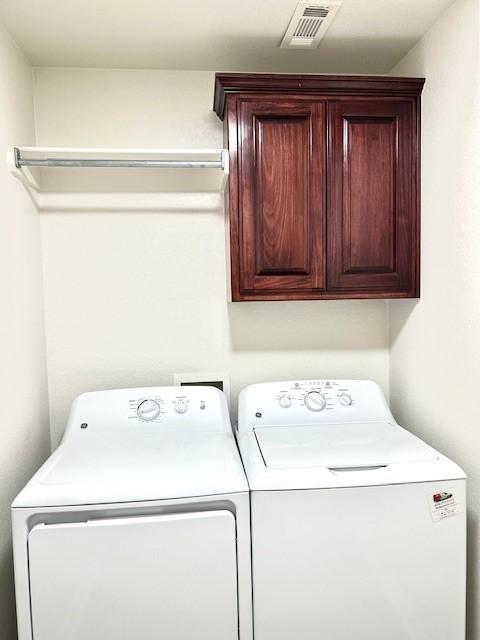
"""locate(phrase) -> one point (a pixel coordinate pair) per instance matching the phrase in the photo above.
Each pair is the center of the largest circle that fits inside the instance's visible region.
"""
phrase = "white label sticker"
(443, 505)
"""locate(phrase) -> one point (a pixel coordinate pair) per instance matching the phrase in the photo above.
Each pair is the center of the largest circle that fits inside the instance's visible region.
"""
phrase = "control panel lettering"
(315, 395)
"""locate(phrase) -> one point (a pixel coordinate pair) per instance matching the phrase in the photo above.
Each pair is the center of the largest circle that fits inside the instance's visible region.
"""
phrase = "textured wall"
(435, 343)
(23, 380)
(132, 297)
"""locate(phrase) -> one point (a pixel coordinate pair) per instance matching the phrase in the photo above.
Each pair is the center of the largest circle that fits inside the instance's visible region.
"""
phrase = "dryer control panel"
(196, 408)
(312, 402)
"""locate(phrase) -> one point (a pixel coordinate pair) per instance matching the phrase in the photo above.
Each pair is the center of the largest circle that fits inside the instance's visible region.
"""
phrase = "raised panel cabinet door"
(281, 199)
(372, 199)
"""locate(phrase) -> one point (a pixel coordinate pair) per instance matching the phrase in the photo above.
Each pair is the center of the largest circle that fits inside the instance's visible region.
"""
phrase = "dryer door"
(168, 576)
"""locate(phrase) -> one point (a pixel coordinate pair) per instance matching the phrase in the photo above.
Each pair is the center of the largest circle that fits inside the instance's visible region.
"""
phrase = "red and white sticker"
(443, 504)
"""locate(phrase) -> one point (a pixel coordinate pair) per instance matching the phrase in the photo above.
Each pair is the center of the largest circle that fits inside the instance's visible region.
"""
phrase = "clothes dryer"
(138, 524)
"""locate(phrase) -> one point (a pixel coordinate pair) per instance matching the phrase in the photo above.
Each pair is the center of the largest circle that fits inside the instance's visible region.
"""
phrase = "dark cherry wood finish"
(323, 190)
(282, 169)
(371, 222)
(328, 85)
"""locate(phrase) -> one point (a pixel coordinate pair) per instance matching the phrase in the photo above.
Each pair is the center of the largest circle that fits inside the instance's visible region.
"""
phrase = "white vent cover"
(309, 24)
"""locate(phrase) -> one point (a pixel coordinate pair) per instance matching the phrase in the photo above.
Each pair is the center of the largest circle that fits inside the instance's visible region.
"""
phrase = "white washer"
(358, 527)
(138, 525)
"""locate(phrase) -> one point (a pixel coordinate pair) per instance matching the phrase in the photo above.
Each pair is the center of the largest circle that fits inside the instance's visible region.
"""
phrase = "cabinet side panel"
(230, 140)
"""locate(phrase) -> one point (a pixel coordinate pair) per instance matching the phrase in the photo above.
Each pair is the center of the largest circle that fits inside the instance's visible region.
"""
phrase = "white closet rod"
(20, 162)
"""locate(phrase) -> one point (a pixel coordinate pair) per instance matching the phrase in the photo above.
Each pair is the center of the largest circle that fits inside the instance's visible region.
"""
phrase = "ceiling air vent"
(309, 24)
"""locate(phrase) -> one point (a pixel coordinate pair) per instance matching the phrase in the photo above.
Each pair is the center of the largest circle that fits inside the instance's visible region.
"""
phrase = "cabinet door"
(280, 222)
(372, 208)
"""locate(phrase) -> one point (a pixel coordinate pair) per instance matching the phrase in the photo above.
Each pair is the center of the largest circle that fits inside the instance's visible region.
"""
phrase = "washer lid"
(340, 446)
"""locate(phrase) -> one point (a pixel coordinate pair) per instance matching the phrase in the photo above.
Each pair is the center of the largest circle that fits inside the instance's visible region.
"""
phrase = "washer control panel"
(193, 407)
(315, 395)
(312, 401)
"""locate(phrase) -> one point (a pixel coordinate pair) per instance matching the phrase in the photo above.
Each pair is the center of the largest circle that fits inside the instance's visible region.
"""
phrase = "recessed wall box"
(219, 380)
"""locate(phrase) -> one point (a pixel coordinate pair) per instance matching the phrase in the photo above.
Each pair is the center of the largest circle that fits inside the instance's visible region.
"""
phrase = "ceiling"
(367, 36)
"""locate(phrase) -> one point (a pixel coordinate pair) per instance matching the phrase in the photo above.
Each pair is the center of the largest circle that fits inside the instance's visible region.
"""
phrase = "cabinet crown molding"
(326, 85)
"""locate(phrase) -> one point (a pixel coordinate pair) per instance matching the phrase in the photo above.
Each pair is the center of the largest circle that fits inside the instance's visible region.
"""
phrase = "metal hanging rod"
(20, 162)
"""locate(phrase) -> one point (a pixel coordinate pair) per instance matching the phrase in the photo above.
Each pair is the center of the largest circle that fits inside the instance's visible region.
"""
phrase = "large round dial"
(148, 410)
(315, 401)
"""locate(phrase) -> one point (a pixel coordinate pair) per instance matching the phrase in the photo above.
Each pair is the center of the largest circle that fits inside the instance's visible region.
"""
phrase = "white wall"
(131, 298)
(23, 406)
(435, 343)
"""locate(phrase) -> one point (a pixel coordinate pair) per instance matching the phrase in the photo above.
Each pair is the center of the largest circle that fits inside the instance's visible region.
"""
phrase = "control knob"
(285, 401)
(345, 399)
(180, 406)
(315, 401)
(148, 410)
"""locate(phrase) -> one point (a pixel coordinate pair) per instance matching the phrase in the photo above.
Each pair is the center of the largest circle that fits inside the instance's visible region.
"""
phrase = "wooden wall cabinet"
(324, 185)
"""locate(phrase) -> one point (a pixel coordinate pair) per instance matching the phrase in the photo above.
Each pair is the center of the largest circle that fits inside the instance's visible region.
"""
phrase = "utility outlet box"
(210, 379)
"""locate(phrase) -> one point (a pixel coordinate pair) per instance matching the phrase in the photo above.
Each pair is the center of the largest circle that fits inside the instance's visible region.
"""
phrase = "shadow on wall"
(400, 312)
(7, 607)
(308, 325)
(95, 203)
(472, 583)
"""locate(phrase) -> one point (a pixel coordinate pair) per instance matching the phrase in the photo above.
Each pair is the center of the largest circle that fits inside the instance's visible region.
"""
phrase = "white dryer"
(358, 527)
(138, 524)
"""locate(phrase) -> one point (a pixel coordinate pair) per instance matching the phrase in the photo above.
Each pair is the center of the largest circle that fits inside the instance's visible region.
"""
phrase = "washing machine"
(358, 527)
(138, 524)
